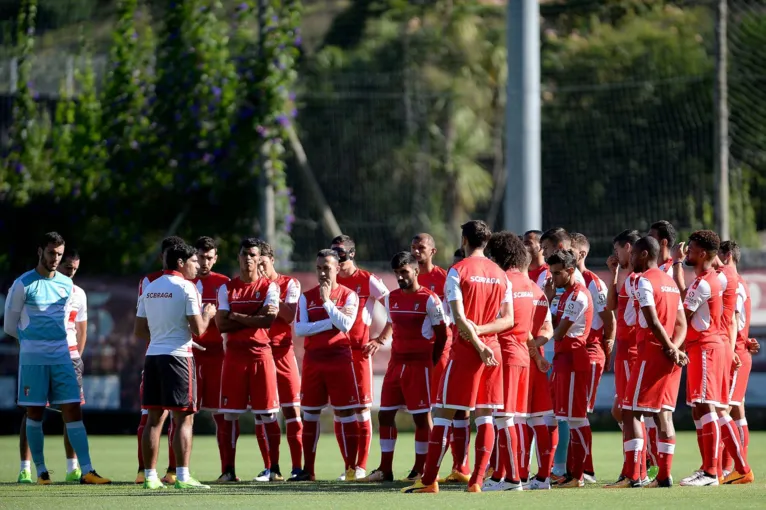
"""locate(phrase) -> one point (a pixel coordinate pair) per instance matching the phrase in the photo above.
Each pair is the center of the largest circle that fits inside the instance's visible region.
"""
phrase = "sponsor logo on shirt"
(159, 295)
(484, 279)
(673, 290)
(523, 295)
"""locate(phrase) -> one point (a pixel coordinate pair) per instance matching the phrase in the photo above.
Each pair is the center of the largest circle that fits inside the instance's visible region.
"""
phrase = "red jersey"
(655, 288)
(598, 292)
(743, 307)
(281, 333)
(540, 274)
(667, 267)
(482, 287)
(237, 296)
(413, 317)
(729, 280)
(211, 340)
(705, 298)
(575, 305)
(326, 326)
(541, 314)
(365, 285)
(626, 320)
(435, 282)
(513, 342)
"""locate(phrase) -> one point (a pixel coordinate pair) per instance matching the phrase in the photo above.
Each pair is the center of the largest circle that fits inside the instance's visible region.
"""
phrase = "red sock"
(494, 457)
(632, 449)
(461, 440)
(437, 447)
(711, 437)
(651, 441)
(719, 470)
(544, 448)
(348, 440)
(139, 436)
(732, 444)
(665, 450)
(421, 448)
(727, 461)
(644, 449)
(581, 438)
(387, 445)
(171, 435)
(525, 434)
(310, 438)
(274, 437)
(510, 452)
(570, 456)
(500, 462)
(295, 440)
(744, 434)
(263, 442)
(365, 437)
(223, 433)
(485, 438)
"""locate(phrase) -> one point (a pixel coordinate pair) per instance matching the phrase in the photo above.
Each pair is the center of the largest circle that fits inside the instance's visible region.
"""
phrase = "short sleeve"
(141, 286)
(223, 298)
(192, 300)
(645, 293)
(141, 312)
(272, 295)
(388, 309)
(378, 289)
(722, 279)
(452, 288)
(598, 292)
(82, 313)
(575, 306)
(293, 292)
(697, 294)
(508, 296)
(548, 316)
(435, 311)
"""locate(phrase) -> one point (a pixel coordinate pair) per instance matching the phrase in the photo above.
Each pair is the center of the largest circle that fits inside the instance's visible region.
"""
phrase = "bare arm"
(141, 328)
(610, 329)
(287, 312)
(650, 315)
(502, 323)
(440, 340)
(562, 329)
(679, 331)
(464, 327)
(611, 285)
(225, 323)
(198, 323)
(81, 332)
(264, 318)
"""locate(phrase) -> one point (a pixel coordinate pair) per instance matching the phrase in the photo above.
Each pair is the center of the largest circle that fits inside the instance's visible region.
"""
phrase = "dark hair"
(556, 236)
(706, 239)
(53, 238)
(265, 248)
(626, 237)
(323, 254)
(403, 258)
(70, 253)
(178, 251)
(665, 230)
(170, 241)
(732, 247)
(250, 242)
(507, 250)
(459, 253)
(566, 258)
(205, 244)
(538, 233)
(649, 244)
(579, 241)
(344, 240)
(476, 232)
(425, 237)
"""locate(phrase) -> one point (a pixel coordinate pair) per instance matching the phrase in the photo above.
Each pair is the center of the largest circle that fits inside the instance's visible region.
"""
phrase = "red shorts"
(622, 371)
(363, 371)
(707, 376)
(655, 383)
(539, 399)
(467, 383)
(515, 390)
(209, 370)
(328, 380)
(571, 387)
(288, 376)
(596, 370)
(248, 383)
(739, 379)
(406, 386)
(437, 373)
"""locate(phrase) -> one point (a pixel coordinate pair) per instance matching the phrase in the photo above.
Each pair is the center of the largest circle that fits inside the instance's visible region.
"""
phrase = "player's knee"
(291, 412)
(71, 412)
(35, 413)
(343, 413)
(388, 418)
(268, 418)
(307, 416)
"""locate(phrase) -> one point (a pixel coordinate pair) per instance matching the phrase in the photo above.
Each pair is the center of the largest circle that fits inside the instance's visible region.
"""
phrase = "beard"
(404, 285)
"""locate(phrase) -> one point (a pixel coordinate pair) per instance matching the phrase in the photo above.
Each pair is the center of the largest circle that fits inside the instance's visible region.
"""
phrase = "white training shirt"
(741, 300)
(166, 303)
(77, 311)
(697, 297)
(576, 305)
(598, 292)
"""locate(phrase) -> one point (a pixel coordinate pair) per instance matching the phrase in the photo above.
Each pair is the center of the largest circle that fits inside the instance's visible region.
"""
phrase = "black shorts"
(169, 382)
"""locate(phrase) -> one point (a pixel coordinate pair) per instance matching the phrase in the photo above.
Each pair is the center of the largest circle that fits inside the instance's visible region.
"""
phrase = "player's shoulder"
(154, 276)
(218, 279)
(284, 279)
(78, 291)
(424, 291)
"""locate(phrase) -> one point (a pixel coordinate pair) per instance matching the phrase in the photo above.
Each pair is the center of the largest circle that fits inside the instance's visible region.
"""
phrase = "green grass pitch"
(115, 457)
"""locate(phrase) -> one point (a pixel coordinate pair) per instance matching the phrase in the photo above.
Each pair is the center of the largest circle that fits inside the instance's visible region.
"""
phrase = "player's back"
(513, 342)
(482, 285)
(666, 299)
(166, 302)
(211, 339)
(729, 280)
(539, 275)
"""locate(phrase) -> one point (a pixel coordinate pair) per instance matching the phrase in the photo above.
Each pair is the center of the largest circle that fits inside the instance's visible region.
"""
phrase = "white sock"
(183, 474)
(26, 464)
(71, 465)
(150, 474)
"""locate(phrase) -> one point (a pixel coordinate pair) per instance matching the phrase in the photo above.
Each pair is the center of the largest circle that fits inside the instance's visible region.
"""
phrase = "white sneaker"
(510, 486)
(646, 481)
(263, 476)
(701, 480)
(341, 478)
(537, 485)
(591, 479)
(726, 473)
(491, 485)
(691, 476)
(360, 473)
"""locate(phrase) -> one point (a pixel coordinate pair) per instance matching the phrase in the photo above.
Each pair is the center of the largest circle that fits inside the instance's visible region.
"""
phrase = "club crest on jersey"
(225, 401)
(311, 304)
(26, 391)
(417, 305)
(358, 289)
(433, 287)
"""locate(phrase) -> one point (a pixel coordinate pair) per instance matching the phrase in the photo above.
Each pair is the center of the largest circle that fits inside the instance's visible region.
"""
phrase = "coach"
(168, 314)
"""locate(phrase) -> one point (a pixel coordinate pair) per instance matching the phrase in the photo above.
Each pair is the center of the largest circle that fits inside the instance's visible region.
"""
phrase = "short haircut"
(556, 236)
(507, 250)
(579, 241)
(250, 242)
(323, 254)
(344, 240)
(70, 253)
(665, 230)
(205, 244)
(459, 253)
(426, 237)
(649, 244)
(476, 232)
(170, 241)
(538, 233)
(626, 237)
(566, 258)
(265, 248)
(403, 258)
(53, 238)
(178, 251)
(706, 239)
(732, 247)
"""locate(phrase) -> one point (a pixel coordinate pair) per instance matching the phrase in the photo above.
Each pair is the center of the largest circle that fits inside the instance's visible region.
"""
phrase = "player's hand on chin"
(324, 290)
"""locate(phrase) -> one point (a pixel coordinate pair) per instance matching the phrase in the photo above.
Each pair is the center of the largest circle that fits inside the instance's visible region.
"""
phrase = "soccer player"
(77, 330)
(168, 314)
(480, 299)
(288, 376)
(601, 338)
(708, 369)
(653, 389)
(538, 269)
(419, 334)
(247, 307)
(369, 288)
(457, 256)
(326, 314)
(209, 363)
(36, 314)
(170, 473)
(665, 234)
